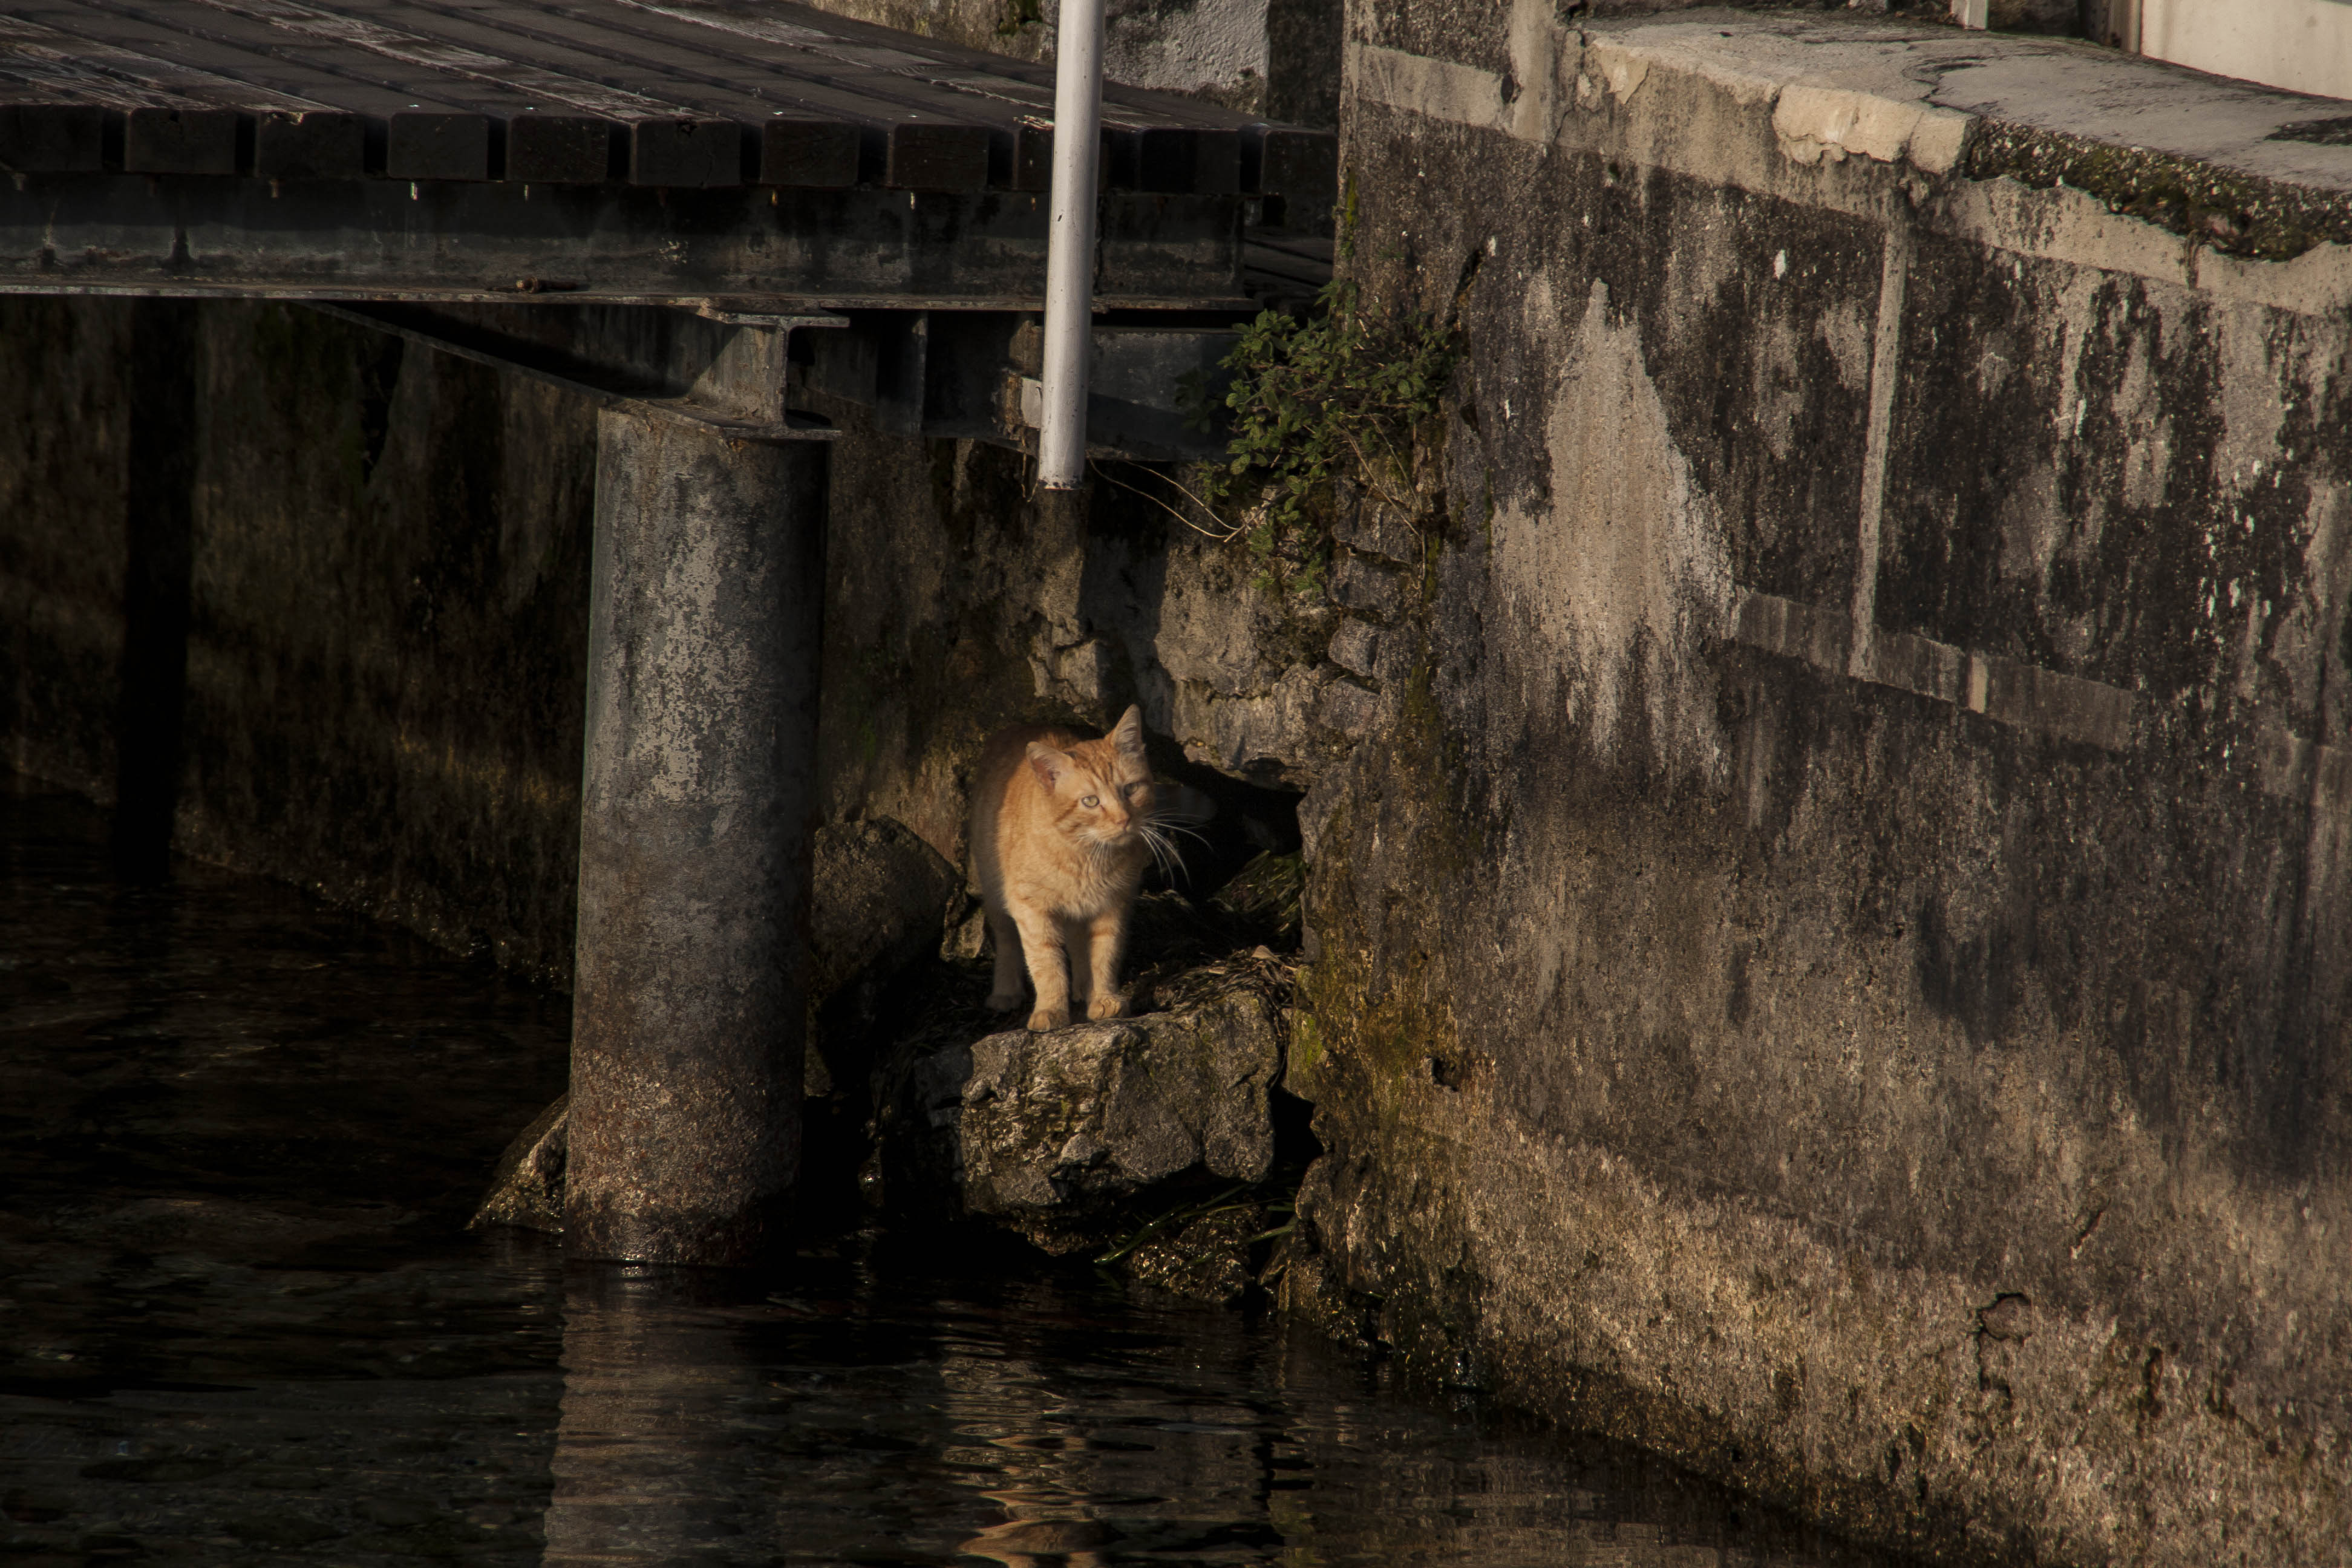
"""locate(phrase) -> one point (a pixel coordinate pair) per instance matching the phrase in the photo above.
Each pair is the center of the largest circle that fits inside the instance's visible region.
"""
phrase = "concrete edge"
(1875, 156)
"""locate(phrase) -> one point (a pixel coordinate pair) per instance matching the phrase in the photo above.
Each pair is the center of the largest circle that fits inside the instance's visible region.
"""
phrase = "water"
(240, 1321)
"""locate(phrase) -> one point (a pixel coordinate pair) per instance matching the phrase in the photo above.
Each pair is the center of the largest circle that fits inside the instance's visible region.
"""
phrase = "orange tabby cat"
(1061, 831)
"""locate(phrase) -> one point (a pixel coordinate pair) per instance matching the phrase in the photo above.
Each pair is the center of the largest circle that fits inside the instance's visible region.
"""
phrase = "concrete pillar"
(688, 1001)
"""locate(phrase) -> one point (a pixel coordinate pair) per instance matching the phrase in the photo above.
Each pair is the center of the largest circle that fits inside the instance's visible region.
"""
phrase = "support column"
(690, 996)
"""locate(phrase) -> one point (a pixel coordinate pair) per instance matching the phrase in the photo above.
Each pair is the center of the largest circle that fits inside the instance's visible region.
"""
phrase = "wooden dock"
(683, 151)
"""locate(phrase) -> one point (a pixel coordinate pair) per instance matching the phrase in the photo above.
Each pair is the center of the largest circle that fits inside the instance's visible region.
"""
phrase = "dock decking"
(695, 151)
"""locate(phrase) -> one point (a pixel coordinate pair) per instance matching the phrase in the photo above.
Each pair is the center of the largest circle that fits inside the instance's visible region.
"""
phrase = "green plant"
(1342, 393)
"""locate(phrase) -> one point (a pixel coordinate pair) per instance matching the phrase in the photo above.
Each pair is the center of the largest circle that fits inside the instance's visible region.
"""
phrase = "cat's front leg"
(1077, 944)
(1004, 991)
(1107, 938)
(1041, 945)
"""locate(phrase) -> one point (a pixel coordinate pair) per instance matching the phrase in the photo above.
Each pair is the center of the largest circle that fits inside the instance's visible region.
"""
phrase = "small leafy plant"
(1341, 394)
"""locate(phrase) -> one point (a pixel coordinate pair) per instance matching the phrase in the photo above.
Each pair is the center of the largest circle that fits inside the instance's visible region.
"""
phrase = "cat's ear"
(1127, 735)
(1049, 763)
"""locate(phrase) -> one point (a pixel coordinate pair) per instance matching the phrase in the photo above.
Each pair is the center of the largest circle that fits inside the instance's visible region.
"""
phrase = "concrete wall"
(386, 569)
(2305, 44)
(383, 597)
(1837, 965)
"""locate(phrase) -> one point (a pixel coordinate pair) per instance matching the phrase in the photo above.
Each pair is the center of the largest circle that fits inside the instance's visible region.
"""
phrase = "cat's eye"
(1091, 801)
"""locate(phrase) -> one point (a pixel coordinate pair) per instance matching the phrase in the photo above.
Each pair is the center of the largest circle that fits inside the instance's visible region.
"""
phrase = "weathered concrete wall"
(1837, 963)
(64, 432)
(387, 573)
(387, 602)
(955, 608)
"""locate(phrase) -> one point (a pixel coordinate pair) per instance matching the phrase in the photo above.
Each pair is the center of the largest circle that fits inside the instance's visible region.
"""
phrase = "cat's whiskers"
(1164, 849)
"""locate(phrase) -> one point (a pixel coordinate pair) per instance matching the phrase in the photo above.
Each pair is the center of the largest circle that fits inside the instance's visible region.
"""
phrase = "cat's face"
(1102, 790)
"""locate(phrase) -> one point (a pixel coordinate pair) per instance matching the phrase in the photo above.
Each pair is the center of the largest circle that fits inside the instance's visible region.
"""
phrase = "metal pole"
(1070, 250)
(689, 992)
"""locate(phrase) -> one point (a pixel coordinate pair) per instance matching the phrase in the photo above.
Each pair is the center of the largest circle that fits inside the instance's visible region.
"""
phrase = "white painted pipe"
(1070, 247)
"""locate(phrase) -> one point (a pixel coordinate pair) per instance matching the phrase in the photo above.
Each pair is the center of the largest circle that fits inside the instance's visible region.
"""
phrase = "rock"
(527, 1184)
(878, 902)
(1355, 647)
(1206, 1258)
(1376, 528)
(1355, 584)
(881, 899)
(1057, 1136)
(1348, 709)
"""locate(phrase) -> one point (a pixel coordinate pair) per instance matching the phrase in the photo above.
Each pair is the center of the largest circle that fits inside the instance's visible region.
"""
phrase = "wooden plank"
(511, 80)
(181, 141)
(52, 137)
(346, 78)
(1152, 141)
(1016, 111)
(816, 141)
(205, 69)
(900, 145)
(431, 139)
(180, 120)
(671, 135)
(815, 154)
(280, 141)
(309, 145)
(564, 149)
(1024, 83)
(692, 93)
(696, 152)
(928, 143)
(1172, 160)
(28, 76)
(422, 144)
(434, 145)
(141, 79)
(667, 142)
(177, 119)
(938, 158)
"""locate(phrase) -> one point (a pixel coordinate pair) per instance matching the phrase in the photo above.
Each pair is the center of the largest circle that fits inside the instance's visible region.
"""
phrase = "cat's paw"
(1004, 1001)
(1045, 1018)
(1106, 1008)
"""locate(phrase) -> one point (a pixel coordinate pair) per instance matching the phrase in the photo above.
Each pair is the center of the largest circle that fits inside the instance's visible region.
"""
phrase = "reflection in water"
(239, 1320)
(650, 1466)
(877, 1413)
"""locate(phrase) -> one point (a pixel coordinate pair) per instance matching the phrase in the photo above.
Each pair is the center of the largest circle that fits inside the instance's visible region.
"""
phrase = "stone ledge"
(2107, 145)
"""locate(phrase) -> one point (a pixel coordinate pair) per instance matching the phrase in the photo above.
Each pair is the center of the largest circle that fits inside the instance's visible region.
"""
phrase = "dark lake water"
(240, 1320)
